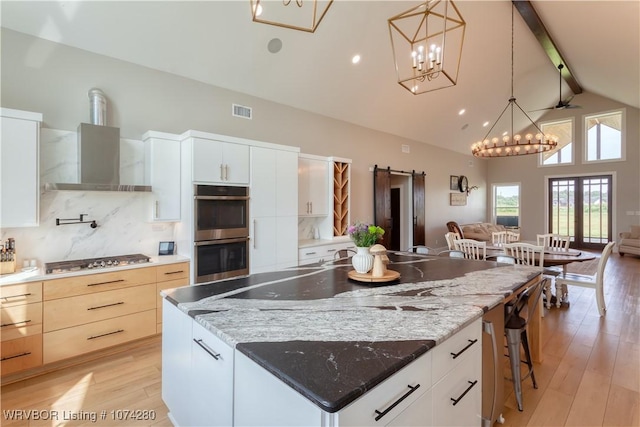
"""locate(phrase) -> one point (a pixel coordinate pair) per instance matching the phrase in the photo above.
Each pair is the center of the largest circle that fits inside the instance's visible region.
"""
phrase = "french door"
(581, 207)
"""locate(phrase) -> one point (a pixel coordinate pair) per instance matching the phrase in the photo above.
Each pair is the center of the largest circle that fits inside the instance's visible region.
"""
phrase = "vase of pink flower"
(364, 236)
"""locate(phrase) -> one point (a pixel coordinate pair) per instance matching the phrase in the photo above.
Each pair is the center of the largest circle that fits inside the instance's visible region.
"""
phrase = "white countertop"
(307, 243)
(38, 274)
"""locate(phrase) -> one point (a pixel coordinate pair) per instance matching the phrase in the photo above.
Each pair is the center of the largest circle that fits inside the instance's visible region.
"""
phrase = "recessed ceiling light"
(355, 59)
(461, 112)
(485, 124)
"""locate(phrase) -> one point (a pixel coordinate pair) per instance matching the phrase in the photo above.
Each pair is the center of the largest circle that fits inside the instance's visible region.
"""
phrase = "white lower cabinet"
(397, 396)
(321, 253)
(211, 380)
(197, 372)
(176, 363)
(261, 399)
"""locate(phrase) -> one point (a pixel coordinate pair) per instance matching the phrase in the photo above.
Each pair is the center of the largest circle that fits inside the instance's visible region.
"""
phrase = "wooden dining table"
(552, 257)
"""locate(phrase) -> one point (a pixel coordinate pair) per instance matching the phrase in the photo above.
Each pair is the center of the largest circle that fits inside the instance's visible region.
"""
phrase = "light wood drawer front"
(20, 320)
(99, 282)
(172, 272)
(24, 293)
(20, 354)
(78, 310)
(82, 339)
(167, 285)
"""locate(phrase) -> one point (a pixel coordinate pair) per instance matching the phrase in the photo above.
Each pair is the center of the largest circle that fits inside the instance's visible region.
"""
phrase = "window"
(563, 153)
(506, 204)
(604, 136)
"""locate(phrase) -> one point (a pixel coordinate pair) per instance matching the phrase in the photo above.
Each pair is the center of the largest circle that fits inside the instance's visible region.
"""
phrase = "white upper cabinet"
(273, 209)
(162, 151)
(313, 185)
(220, 162)
(19, 167)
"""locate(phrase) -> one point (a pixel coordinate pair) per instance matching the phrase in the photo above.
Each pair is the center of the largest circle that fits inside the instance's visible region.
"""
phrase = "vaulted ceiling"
(216, 42)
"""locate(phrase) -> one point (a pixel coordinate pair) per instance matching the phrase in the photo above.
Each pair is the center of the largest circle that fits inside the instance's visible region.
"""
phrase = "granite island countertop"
(331, 338)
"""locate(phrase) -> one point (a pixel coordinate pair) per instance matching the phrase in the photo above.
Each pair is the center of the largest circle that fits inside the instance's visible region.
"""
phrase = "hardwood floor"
(590, 375)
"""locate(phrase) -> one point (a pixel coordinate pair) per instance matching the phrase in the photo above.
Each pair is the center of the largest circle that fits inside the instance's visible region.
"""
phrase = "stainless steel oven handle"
(221, 197)
(220, 241)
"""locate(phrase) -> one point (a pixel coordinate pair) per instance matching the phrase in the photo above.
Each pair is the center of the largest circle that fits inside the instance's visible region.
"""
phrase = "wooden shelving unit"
(340, 198)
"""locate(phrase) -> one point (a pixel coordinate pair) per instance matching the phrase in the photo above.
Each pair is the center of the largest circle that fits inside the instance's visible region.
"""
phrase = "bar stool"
(515, 328)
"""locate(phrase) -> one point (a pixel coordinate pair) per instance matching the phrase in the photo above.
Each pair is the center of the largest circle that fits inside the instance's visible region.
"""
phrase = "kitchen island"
(308, 345)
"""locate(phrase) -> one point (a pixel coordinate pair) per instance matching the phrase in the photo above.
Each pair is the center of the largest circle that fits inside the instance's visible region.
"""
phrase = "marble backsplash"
(124, 218)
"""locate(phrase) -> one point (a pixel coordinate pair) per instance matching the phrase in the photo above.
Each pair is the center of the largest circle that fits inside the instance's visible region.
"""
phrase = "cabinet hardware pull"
(310, 207)
(15, 323)
(106, 305)
(104, 335)
(310, 253)
(455, 401)
(174, 272)
(156, 212)
(221, 173)
(17, 355)
(106, 283)
(471, 342)
(397, 402)
(226, 172)
(207, 349)
(331, 250)
(16, 296)
(254, 234)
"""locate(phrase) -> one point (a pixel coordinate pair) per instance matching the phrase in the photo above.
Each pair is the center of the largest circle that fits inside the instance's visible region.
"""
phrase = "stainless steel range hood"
(98, 153)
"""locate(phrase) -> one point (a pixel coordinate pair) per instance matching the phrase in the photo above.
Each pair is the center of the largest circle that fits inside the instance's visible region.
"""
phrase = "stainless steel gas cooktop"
(94, 263)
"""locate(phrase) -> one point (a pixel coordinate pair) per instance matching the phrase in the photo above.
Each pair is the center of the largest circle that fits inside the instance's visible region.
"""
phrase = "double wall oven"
(221, 228)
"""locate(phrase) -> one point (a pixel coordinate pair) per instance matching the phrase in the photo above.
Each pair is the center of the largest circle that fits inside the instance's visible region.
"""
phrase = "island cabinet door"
(211, 379)
(402, 399)
(176, 363)
(261, 399)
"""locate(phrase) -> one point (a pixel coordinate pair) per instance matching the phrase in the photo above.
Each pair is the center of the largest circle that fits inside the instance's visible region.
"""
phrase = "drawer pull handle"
(471, 342)
(106, 283)
(16, 296)
(310, 253)
(472, 383)
(331, 250)
(17, 355)
(104, 335)
(207, 349)
(397, 402)
(174, 272)
(106, 305)
(15, 323)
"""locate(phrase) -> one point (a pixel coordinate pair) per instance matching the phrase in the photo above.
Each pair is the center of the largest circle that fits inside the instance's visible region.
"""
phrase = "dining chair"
(532, 255)
(498, 237)
(525, 253)
(553, 241)
(595, 282)
(450, 237)
(513, 236)
(515, 328)
(420, 249)
(473, 249)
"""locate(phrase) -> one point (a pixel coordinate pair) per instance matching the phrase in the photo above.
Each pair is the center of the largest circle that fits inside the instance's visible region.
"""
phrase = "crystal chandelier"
(427, 45)
(303, 15)
(514, 145)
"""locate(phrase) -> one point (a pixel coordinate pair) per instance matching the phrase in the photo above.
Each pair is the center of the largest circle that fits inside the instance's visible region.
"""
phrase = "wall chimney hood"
(98, 153)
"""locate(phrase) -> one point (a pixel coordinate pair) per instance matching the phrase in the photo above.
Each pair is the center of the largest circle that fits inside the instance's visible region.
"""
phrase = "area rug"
(587, 267)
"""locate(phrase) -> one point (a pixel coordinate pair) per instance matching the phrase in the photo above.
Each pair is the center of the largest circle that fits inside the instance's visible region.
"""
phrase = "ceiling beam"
(530, 16)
